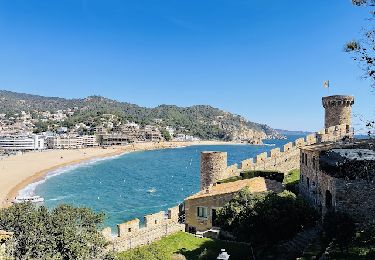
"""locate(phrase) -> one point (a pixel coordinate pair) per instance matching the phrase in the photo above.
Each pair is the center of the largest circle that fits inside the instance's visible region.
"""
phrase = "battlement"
(337, 100)
(131, 234)
(288, 157)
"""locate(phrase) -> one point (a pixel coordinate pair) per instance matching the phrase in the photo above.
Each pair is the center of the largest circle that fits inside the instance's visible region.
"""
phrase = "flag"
(326, 84)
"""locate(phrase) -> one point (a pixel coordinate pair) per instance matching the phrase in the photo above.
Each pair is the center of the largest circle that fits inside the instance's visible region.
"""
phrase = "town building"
(65, 142)
(200, 208)
(152, 134)
(339, 176)
(21, 143)
(71, 142)
(114, 139)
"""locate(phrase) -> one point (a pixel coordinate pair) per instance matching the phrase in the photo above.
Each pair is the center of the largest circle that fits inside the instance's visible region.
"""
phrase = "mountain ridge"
(204, 121)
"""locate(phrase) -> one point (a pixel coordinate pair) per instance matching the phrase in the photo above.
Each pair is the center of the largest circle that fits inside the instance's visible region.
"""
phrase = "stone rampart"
(131, 234)
(287, 158)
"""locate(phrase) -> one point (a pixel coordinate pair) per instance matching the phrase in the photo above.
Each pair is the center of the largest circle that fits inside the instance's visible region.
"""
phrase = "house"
(200, 208)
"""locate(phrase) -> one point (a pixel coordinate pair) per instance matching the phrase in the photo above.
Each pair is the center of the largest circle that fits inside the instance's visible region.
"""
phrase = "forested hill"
(203, 121)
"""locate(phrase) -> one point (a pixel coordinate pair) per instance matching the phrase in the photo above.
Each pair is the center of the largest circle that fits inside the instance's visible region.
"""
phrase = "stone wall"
(337, 110)
(356, 197)
(131, 234)
(284, 160)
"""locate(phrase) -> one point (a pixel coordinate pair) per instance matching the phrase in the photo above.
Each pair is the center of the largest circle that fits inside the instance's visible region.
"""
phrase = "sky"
(264, 60)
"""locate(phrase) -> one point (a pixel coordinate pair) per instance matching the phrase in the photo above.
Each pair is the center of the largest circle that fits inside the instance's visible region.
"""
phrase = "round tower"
(213, 166)
(338, 110)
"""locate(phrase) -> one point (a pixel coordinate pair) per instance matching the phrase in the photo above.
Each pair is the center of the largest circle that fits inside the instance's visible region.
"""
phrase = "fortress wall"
(300, 142)
(231, 171)
(247, 165)
(173, 213)
(154, 219)
(287, 147)
(310, 139)
(128, 228)
(289, 158)
(260, 158)
(156, 226)
(275, 152)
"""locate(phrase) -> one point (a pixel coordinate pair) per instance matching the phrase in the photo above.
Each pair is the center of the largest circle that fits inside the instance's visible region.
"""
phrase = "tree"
(66, 232)
(363, 51)
(165, 134)
(266, 218)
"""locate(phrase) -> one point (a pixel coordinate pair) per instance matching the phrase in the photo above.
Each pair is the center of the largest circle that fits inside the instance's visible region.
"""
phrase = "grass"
(189, 246)
(291, 181)
(292, 177)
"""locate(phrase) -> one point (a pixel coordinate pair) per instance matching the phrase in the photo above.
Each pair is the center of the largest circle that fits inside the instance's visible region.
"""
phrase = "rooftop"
(257, 184)
(356, 144)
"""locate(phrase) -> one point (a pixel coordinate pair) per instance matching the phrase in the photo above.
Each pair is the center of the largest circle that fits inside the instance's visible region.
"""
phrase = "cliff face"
(202, 121)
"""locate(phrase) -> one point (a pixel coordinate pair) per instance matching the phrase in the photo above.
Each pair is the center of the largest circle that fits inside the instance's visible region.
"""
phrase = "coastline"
(17, 172)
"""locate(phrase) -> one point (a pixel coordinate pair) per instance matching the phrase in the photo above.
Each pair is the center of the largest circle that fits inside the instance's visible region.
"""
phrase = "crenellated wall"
(287, 158)
(130, 234)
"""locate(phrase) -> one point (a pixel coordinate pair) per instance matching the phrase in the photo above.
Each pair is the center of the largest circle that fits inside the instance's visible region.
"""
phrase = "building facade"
(339, 176)
(21, 143)
(201, 208)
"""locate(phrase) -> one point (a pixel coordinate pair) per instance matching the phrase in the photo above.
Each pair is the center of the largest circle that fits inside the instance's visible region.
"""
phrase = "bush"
(340, 227)
(266, 218)
(65, 233)
(271, 175)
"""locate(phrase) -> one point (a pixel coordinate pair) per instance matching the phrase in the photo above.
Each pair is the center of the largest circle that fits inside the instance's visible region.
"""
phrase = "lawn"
(189, 246)
(291, 177)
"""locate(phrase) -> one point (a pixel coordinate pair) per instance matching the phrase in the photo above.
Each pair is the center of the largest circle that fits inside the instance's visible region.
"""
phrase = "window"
(303, 158)
(308, 182)
(129, 230)
(202, 212)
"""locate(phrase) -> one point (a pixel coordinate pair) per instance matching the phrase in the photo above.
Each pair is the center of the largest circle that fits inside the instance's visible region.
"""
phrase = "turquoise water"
(120, 186)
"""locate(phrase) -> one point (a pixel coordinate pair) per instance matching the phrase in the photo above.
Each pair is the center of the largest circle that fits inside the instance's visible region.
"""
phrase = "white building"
(71, 142)
(21, 143)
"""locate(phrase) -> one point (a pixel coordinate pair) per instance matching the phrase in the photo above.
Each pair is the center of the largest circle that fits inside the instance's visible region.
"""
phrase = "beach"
(17, 171)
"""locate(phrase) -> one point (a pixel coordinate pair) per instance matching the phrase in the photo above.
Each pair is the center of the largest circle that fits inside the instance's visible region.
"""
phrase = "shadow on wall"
(211, 249)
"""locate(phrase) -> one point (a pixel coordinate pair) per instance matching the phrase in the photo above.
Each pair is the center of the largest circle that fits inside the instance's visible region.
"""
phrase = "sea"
(135, 184)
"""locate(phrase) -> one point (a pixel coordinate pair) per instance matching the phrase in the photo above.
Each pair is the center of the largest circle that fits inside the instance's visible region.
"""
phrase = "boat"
(152, 190)
(32, 199)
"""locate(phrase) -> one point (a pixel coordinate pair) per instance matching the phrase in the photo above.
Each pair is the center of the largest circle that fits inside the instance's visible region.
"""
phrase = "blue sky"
(265, 60)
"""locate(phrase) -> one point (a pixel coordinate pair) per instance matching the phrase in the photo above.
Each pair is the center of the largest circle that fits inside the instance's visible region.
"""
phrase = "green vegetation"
(291, 180)
(341, 240)
(271, 175)
(362, 246)
(165, 134)
(187, 245)
(64, 233)
(267, 218)
(195, 120)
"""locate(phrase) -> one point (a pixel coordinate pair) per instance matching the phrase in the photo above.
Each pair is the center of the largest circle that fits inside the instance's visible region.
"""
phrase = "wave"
(29, 190)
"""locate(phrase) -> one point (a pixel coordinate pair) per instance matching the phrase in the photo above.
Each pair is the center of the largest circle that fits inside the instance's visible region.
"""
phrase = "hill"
(203, 121)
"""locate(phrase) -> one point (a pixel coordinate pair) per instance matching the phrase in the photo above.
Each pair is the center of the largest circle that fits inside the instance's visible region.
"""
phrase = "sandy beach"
(17, 171)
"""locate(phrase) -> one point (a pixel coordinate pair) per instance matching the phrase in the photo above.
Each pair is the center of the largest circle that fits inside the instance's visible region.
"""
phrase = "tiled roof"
(257, 184)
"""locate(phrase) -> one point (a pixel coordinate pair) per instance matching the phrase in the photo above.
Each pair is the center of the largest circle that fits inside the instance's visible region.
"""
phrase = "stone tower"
(338, 110)
(213, 166)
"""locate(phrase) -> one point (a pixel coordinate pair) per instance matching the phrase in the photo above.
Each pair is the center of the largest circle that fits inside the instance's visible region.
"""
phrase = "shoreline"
(37, 173)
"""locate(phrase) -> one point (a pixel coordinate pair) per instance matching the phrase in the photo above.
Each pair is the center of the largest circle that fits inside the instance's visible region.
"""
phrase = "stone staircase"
(295, 247)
